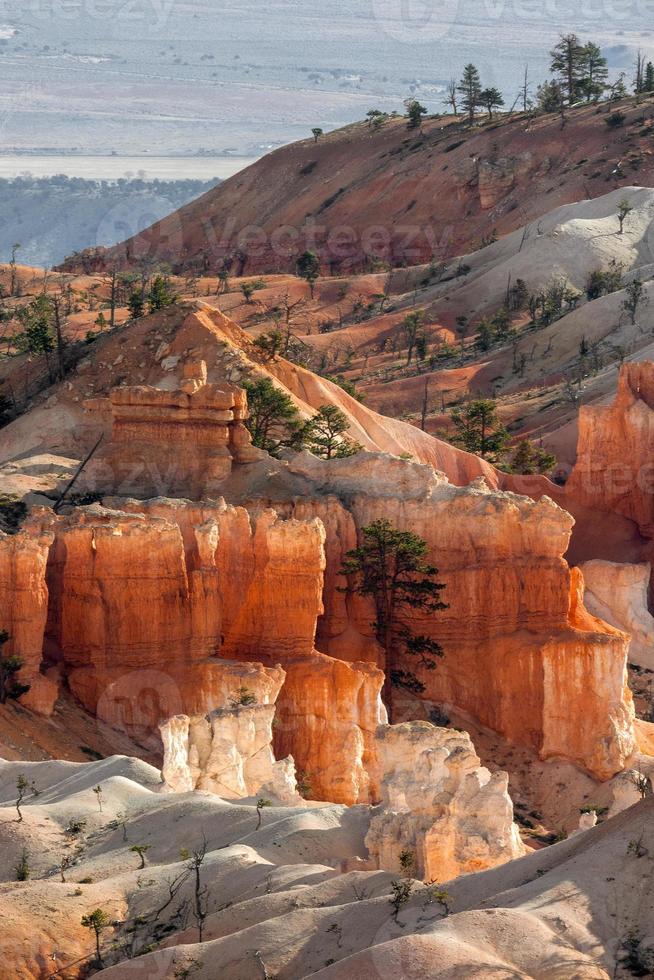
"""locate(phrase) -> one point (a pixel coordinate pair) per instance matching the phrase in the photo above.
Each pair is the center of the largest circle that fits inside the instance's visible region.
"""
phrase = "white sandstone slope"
(277, 903)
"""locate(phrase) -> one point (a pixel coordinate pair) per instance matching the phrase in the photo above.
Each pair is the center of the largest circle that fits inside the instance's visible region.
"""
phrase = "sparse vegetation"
(274, 421)
(10, 687)
(141, 850)
(261, 805)
(401, 893)
(479, 429)
(325, 434)
(22, 869)
(97, 921)
(243, 698)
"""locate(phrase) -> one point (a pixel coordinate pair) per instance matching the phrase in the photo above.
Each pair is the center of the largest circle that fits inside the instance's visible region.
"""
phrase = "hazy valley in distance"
(181, 93)
(168, 77)
(52, 217)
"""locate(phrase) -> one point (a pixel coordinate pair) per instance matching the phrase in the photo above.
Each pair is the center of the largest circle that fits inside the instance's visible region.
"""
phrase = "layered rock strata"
(439, 804)
(180, 442)
(145, 603)
(24, 608)
(229, 751)
(327, 715)
(519, 646)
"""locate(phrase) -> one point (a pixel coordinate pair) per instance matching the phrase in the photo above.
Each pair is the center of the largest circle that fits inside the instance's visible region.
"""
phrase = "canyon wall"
(327, 715)
(518, 645)
(24, 608)
(439, 804)
(614, 470)
(179, 442)
(145, 600)
(228, 751)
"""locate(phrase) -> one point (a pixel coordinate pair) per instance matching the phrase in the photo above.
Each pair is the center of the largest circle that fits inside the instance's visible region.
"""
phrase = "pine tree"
(491, 98)
(470, 90)
(595, 72)
(415, 111)
(391, 567)
(485, 335)
(308, 267)
(97, 921)
(568, 63)
(529, 458)
(136, 304)
(549, 97)
(160, 295)
(649, 78)
(324, 434)
(274, 421)
(479, 429)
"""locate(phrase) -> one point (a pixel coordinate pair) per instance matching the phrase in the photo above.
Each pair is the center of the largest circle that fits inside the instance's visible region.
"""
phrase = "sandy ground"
(288, 895)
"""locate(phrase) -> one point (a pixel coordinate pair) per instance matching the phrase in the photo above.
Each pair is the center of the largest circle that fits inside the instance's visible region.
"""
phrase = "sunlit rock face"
(618, 594)
(519, 645)
(229, 750)
(181, 442)
(439, 804)
(615, 449)
(147, 602)
(24, 608)
(327, 715)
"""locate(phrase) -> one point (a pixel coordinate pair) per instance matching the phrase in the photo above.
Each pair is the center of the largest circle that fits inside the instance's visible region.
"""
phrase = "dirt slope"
(395, 195)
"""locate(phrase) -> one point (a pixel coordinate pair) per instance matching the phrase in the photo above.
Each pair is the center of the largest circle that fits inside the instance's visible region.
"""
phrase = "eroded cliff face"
(440, 804)
(145, 600)
(327, 715)
(24, 608)
(149, 598)
(614, 470)
(518, 648)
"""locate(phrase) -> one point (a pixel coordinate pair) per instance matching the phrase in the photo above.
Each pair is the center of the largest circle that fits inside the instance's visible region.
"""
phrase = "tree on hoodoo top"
(392, 568)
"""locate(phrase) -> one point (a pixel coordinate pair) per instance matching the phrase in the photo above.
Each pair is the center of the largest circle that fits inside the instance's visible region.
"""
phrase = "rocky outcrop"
(144, 602)
(327, 715)
(181, 442)
(519, 647)
(618, 594)
(614, 470)
(229, 751)
(24, 608)
(439, 804)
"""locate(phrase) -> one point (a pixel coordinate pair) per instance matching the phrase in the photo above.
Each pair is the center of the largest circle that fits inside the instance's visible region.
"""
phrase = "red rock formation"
(327, 715)
(143, 603)
(346, 197)
(615, 469)
(180, 442)
(519, 647)
(439, 803)
(228, 751)
(24, 608)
